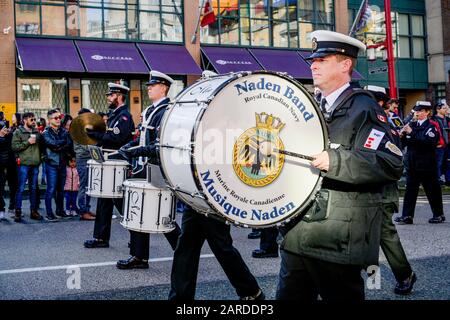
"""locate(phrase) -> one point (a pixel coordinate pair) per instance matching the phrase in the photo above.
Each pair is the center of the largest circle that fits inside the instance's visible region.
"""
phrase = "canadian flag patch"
(374, 139)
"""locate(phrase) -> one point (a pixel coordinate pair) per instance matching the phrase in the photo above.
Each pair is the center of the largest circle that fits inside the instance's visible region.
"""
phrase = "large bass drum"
(219, 142)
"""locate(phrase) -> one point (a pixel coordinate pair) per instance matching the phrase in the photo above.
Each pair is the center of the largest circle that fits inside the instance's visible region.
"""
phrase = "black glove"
(135, 153)
(122, 152)
(95, 134)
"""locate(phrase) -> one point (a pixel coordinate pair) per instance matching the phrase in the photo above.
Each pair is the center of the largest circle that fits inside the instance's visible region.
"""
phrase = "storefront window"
(27, 19)
(115, 24)
(152, 20)
(93, 94)
(91, 23)
(38, 95)
(274, 23)
(53, 20)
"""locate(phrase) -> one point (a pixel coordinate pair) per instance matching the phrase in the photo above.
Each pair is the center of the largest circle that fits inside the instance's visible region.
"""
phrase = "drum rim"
(193, 165)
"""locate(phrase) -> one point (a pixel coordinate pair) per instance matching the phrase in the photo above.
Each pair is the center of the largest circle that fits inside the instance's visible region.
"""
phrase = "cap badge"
(314, 44)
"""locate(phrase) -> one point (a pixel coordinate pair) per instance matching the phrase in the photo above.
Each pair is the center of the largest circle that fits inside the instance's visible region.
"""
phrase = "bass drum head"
(235, 160)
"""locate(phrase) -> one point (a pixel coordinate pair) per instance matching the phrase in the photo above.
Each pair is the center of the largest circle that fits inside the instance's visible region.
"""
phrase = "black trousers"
(8, 172)
(195, 229)
(392, 247)
(103, 216)
(140, 242)
(303, 279)
(268, 241)
(432, 190)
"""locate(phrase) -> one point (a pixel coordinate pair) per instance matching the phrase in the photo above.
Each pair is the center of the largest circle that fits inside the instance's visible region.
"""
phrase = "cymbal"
(86, 120)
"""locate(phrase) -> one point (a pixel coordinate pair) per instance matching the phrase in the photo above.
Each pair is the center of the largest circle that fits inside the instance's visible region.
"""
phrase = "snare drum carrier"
(219, 141)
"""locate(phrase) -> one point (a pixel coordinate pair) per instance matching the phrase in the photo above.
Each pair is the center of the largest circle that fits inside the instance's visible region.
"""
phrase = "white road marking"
(86, 265)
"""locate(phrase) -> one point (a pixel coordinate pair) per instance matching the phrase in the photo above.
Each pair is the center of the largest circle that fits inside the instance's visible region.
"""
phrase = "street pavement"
(47, 260)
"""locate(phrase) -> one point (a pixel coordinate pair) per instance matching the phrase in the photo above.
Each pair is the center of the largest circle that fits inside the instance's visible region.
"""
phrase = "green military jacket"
(343, 223)
(29, 154)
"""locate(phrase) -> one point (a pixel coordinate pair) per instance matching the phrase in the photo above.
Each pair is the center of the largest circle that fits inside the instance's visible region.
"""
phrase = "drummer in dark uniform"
(158, 88)
(120, 128)
(325, 252)
(390, 241)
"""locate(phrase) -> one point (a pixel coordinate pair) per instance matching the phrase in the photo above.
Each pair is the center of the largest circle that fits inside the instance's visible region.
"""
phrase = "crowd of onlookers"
(28, 146)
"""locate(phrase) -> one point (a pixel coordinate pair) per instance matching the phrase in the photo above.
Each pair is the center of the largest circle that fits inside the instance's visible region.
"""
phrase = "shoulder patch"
(124, 118)
(116, 130)
(382, 118)
(374, 139)
(393, 148)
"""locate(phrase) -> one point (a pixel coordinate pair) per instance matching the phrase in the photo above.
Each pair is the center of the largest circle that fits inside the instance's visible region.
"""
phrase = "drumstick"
(293, 154)
(117, 151)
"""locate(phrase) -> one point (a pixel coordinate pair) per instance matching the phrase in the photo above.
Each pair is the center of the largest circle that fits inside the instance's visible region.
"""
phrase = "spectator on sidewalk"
(443, 121)
(8, 168)
(26, 144)
(82, 156)
(71, 188)
(57, 146)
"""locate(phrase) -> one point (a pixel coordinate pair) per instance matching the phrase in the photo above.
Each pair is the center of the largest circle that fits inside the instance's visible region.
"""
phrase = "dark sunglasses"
(32, 119)
(56, 118)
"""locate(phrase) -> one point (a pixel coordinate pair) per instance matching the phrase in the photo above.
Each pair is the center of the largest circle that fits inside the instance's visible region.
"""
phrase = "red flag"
(208, 14)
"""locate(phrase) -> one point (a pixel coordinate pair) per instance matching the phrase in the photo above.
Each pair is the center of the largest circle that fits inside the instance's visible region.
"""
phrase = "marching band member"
(390, 241)
(324, 253)
(158, 88)
(120, 128)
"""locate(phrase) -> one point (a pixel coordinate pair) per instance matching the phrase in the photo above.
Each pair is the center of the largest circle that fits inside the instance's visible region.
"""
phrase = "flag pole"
(194, 36)
(352, 30)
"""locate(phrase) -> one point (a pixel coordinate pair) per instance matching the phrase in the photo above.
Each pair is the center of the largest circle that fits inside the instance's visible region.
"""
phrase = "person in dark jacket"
(441, 151)
(8, 168)
(120, 128)
(421, 138)
(82, 155)
(57, 146)
(390, 241)
(339, 234)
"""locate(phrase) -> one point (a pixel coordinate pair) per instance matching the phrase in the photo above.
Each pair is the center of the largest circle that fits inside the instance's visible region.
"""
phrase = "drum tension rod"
(196, 194)
(175, 147)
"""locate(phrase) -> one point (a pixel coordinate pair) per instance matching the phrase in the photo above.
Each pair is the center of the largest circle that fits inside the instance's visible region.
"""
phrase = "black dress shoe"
(404, 220)
(438, 219)
(254, 235)
(96, 243)
(259, 253)
(406, 286)
(132, 263)
(258, 296)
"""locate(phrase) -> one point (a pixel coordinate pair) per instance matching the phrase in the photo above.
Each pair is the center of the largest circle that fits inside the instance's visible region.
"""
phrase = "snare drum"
(218, 144)
(105, 178)
(147, 208)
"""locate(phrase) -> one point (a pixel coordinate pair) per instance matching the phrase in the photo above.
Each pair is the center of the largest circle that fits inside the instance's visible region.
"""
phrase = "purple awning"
(226, 60)
(355, 75)
(283, 61)
(111, 57)
(170, 59)
(48, 55)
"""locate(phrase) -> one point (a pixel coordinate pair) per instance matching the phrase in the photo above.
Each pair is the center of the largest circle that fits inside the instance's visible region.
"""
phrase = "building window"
(152, 20)
(439, 92)
(31, 92)
(267, 23)
(38, 95)
(408, 32)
